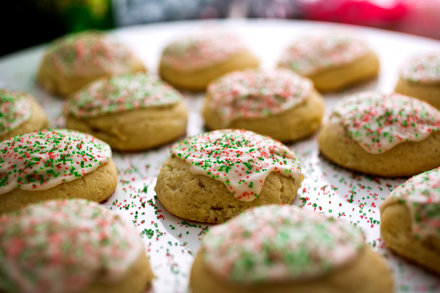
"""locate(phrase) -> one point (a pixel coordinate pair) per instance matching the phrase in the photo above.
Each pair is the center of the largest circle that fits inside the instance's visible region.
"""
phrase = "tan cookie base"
(137, 279)
(97, 186)
(293, 124)
(425, 92)
(339, 77)
(37, 121)
(202, 199)
(404, 159)
(136, 129)
(64, 85)
(396, 231)
(367, 274)
(197, 80)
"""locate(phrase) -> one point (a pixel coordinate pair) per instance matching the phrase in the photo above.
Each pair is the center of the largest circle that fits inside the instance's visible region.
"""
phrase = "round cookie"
(52, 164)
(276, 103)
(287, 249)
(19, 114)
(75, 60)
(71, 246)
(410, 220)
(384, 135)
(214, 176)
(333, 60)
(420, 78)
(129, 111)
(193, 61)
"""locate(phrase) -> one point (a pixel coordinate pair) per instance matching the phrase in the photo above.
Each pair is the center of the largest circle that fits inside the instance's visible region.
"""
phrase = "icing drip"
(121, 93)
(63, 246)
(256, 93)
(14, 110)
(240, 159)
(200, 50)
(43, 159)
(312, 53)
(378, 122)
(279, 243)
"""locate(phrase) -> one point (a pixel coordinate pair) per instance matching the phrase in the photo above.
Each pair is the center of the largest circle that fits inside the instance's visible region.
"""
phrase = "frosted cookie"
(277, 103)
(130, 111)
(54, 163)
(410, 220)
(333, 60)
(385, 135)
(214, 176)
(287, 249)
(19, 114)
(420, 78)
(71, 246)
(75, 60)
(193, 61)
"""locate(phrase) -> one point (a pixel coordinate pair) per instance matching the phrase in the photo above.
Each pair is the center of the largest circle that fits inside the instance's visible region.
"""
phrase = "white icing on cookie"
(257, 93)
(121, 93)
(64, 246)
(421, 194)
(240, 159)
(43, 159)
(15, 109)
(279, 243)
(378, 122)
(422, 69)
(312, 53)
(200, 50)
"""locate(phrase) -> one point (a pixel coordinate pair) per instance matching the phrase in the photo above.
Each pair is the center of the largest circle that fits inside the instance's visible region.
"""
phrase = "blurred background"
(26, 23)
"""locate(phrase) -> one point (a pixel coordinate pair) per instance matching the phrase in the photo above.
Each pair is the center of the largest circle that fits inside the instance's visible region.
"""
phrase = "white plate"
(171, 242)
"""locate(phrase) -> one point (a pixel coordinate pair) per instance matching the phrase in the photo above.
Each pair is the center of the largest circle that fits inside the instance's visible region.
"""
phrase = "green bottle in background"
(79, 15)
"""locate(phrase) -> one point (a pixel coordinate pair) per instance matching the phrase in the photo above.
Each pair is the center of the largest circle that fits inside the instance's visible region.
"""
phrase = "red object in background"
(363, 12)
(420, 17)
(423, 18)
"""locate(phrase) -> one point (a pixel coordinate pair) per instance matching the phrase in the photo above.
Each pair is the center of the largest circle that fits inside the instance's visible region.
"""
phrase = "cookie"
(71, 246)
(277, 103)
(19, 114)
(193, 61)
(75, 60)
(129, 112)
(54, 163)
(333, 60)
(410, 220)
(213, 176)
(420, 78)
(287, 249)
(382, 134)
